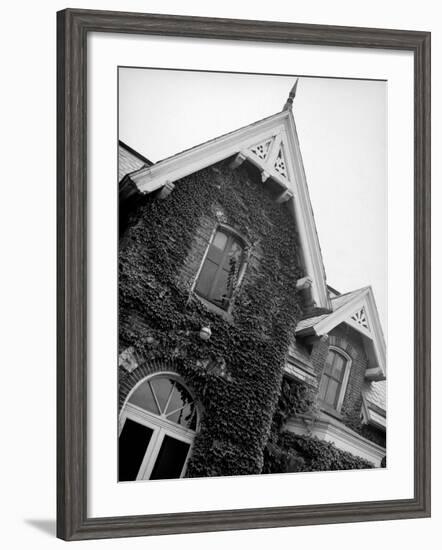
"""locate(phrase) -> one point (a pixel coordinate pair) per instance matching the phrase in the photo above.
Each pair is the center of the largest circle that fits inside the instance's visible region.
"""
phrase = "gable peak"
(289, 103)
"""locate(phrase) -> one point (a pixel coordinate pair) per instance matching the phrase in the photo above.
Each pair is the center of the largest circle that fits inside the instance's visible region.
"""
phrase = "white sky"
(342, 132)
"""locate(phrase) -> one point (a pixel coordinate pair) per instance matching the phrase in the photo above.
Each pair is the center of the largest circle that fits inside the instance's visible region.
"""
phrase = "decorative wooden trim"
(284, 197)
(281, 129)
(166, 190)
(237, 161)
(150, 178)
(73, 27)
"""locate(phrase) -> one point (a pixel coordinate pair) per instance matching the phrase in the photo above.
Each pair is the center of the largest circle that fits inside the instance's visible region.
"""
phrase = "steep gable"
(357, 309)
(272, 146)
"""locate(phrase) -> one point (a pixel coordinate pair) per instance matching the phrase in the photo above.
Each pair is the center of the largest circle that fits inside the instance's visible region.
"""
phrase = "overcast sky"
(342, 132)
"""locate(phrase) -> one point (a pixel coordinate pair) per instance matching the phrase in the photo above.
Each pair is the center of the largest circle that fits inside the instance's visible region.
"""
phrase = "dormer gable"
(358, 310)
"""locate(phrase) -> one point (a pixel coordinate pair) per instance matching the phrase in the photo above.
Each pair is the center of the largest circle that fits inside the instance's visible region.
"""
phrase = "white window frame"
(159, 426)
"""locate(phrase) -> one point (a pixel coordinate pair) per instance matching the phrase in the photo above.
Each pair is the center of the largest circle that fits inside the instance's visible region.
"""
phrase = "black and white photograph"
(218, 310)
(252, 277)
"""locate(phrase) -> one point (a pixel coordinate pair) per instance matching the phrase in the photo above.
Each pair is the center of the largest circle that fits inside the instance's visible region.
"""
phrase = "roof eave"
(173, 168)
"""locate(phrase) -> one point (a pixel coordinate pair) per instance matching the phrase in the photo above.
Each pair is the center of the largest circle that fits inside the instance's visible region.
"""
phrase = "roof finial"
(289, 102)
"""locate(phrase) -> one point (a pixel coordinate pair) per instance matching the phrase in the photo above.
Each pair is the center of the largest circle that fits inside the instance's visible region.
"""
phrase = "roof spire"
(292, 94)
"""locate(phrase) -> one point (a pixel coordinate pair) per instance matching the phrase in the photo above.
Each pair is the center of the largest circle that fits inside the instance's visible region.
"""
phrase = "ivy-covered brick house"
(235, 356)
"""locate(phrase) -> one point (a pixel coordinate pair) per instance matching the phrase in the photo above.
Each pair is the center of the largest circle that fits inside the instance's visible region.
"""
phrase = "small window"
(221, 269)
(332, 385)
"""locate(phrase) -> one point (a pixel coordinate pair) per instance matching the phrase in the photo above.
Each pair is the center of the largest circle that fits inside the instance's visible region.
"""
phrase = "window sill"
(226, 315)
(329, 410)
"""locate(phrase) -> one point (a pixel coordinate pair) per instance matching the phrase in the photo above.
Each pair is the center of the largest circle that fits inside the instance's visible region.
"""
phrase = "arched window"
(334, 379)
(157, 429)
(221, 270)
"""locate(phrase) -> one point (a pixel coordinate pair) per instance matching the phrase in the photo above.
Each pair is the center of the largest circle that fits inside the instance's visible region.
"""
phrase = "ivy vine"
(237, 375)
(289, 452)
(159, 317)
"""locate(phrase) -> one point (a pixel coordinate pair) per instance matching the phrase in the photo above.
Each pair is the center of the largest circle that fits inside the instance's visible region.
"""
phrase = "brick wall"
(319, 354)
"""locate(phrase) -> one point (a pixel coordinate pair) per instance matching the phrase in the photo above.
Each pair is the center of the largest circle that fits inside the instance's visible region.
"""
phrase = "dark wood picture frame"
(73, 27)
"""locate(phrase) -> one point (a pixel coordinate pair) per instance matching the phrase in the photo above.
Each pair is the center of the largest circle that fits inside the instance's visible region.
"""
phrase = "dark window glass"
(171, 459)
(220, 272)
(132, 446)
(332, 378)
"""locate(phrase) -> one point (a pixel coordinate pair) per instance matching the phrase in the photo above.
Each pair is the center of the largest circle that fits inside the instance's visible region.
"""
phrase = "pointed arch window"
(222, 268)
(157, 428)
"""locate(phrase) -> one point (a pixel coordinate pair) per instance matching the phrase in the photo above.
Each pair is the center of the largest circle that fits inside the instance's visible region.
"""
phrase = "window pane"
(235, 252)
(323, 386)
(337, 370)
(335, 365)
(143, 397)
(217, 246)
(219, 241)
(220, 291)
(171, 459)
(132, 446)
(233, 274)
(331, 394)
(184, 416)
(220, 271)
(205, 279)
(180, 397)
(329, 363)
(232, 260)
(162, 388)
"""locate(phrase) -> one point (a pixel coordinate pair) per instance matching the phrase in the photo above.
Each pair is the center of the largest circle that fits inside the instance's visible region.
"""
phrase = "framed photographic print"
(243, 274)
